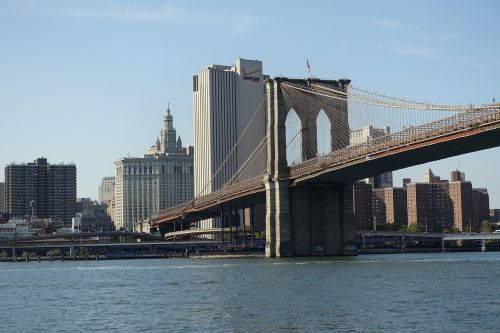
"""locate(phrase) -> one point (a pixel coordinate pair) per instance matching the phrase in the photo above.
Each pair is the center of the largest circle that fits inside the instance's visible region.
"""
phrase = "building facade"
(461, 198)
(389, 206)
(480, 206)
(47, 190)
(106, 190)
(161, 179)
(91, 221)
(225, 100)
(429, 204)
(367, 134)
(358, 206)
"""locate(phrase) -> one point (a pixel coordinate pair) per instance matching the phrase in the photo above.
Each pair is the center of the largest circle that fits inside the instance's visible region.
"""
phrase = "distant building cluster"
(435, 204)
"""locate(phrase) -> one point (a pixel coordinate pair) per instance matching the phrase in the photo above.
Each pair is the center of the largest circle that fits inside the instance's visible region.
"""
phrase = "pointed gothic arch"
(293, 127)
(323, 133)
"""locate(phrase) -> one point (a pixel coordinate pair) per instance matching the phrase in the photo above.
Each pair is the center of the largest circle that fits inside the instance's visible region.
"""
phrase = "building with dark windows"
(461, 198)
(389, 206)
(430, 205)
(480, 206)
(358, 205)
(41, 189)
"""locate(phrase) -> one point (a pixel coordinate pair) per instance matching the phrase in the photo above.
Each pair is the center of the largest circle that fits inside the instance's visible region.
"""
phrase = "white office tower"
(225, 99)
(364, 135)
(161, 179)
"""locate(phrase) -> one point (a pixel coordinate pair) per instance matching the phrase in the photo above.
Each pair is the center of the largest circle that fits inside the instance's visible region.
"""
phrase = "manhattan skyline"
(88, 82)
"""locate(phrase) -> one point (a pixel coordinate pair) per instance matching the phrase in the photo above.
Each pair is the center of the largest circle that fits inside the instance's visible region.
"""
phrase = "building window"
(195, 83)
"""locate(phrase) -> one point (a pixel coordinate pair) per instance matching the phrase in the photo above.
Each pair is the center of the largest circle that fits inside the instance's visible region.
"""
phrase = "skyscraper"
(225, 100)
(106, 190)
(161, 179)
(49, 188)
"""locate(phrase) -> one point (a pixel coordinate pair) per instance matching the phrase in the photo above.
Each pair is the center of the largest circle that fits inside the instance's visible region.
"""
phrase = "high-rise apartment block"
(106, 190)
(48, 189)
(364, 135)
(389, 206)
(227, 100)
(439, 204)
(461, 199)
(161, 179)
(358, 205)
(429, 204)
(480, 206)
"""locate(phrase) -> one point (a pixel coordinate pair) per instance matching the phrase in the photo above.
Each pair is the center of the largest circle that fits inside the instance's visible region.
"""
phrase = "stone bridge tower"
(303, 219)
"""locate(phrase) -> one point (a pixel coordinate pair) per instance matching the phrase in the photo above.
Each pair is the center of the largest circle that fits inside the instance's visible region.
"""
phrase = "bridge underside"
(457, 144)
(186, 220)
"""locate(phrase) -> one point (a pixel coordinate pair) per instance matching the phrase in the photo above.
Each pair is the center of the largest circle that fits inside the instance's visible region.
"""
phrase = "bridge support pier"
(317, 220)
(278, 228)
(305, 221)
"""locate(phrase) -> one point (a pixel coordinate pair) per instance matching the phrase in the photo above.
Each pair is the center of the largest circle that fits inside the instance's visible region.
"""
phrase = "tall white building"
(161, 179)
(366, 134)
(106, 190)
(225, 99)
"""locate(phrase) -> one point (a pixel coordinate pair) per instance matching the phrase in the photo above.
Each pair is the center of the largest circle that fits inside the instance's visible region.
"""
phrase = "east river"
(432, 292)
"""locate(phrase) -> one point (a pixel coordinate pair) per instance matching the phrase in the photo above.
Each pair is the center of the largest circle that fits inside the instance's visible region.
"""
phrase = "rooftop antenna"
(458, 165)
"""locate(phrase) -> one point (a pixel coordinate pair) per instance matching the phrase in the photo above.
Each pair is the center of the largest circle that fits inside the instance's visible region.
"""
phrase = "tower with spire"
(168, 142)
(167, 171)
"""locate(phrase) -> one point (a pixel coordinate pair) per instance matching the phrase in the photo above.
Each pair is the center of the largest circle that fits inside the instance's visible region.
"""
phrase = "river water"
(447, 292)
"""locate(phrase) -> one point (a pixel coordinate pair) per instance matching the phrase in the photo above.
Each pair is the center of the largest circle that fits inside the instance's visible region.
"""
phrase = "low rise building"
(143, 226)
(91, 221)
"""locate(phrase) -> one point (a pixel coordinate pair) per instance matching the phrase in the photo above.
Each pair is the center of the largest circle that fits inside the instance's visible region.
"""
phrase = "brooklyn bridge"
(302, 166)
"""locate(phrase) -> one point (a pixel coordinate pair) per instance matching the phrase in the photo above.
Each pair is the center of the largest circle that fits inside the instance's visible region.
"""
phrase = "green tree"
(55, 252)
(485, 227)
(416, 227)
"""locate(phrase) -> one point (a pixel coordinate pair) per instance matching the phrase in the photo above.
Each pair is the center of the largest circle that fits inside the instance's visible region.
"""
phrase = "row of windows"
(148, 170)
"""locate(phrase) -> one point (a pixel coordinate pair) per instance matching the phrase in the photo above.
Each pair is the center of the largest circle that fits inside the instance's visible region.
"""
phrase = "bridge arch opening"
(293, 127)
(323, 134)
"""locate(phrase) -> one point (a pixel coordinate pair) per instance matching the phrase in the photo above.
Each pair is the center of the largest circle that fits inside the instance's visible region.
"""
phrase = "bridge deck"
(463, 133)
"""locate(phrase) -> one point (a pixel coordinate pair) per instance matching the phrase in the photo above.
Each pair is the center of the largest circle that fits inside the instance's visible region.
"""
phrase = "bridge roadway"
(180, 244)
(447, 137)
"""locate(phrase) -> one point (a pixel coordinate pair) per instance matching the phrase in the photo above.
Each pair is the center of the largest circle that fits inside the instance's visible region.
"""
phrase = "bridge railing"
(230, 190)
(352, 154)
(349, 155)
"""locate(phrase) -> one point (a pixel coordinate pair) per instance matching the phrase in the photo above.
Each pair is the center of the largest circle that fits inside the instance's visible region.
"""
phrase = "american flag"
(308, 67)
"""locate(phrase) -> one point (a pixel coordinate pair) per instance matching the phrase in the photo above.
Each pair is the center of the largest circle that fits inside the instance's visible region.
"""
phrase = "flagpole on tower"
(308, 69)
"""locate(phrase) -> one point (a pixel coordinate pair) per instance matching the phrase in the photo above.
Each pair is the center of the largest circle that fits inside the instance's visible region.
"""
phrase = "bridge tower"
(306, 219)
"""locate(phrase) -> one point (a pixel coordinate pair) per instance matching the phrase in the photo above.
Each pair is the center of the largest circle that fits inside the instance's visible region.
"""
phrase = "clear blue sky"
(88, 81)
